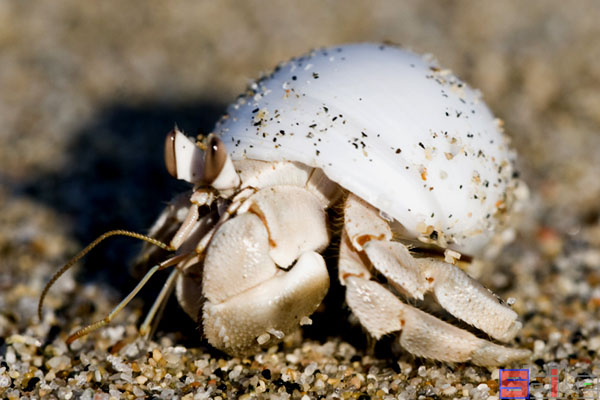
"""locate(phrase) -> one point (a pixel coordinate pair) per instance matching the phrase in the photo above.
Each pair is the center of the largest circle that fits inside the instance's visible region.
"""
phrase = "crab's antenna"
(87, 249)
(106, 320)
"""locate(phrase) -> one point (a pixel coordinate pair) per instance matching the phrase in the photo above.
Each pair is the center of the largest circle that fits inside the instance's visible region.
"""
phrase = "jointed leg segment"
(99, 324)
(366, 243)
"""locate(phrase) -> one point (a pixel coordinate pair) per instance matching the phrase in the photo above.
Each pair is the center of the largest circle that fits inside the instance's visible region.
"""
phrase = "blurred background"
(89, 89)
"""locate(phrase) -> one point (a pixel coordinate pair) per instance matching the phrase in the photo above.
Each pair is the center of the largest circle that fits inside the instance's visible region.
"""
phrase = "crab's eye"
(214, 159)
(170, 160)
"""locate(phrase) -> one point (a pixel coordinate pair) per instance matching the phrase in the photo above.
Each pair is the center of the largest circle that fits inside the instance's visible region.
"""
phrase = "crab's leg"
(148, 326)
(421, 334)
(262, 272)
(191, 232)
(106, 320)
(458, 293)
(167, 224)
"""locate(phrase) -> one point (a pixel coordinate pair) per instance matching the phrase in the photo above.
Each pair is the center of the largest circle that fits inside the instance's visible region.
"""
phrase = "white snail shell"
(389, 126)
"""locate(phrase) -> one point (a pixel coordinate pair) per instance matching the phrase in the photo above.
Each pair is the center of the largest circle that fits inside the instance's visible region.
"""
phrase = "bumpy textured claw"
(250, 300)
(265, 313)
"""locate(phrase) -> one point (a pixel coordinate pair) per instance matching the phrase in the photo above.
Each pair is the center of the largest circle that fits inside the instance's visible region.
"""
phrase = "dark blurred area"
(114, 178)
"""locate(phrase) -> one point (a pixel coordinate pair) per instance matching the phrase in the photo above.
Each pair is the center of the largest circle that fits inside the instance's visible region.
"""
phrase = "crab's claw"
(264, 314)
(261, 279)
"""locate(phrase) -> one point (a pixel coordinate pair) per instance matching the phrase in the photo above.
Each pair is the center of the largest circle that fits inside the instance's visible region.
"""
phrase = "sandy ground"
(87, 92)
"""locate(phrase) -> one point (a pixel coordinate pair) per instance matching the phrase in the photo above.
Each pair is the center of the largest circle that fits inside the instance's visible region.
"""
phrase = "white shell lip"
(390, 126)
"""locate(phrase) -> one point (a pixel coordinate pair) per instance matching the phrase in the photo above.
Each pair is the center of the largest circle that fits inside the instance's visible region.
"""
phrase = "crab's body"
(405, 151)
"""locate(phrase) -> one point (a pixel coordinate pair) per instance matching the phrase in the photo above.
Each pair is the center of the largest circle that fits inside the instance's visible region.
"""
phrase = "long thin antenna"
(82, 253)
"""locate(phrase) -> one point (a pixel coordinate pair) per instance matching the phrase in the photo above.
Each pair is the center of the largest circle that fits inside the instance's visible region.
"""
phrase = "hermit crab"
(409, 158)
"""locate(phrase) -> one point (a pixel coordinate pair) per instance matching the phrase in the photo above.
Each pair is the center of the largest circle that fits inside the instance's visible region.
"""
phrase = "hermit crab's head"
(204, 163)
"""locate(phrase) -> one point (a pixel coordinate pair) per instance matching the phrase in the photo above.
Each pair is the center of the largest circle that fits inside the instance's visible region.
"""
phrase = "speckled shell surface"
(390, 126)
